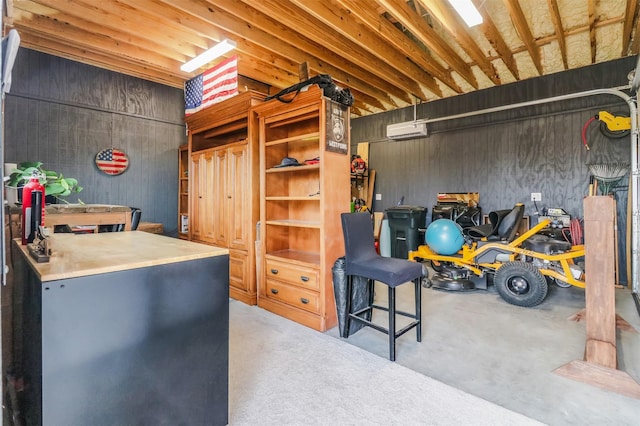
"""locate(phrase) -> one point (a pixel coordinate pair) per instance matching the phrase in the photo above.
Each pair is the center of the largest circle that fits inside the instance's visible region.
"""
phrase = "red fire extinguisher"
(32, 209)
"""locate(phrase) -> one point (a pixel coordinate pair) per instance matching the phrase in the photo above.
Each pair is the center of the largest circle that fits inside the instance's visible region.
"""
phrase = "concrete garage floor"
(506, 354)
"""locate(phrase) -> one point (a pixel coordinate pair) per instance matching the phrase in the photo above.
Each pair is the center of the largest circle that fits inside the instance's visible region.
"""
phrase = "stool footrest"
(356, 316)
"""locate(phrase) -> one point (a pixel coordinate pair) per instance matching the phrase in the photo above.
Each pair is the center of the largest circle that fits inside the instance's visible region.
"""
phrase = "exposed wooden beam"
(124, 18)
(65, 34)
(493, 36)
(635, 44)
(266, 32)
(630, 16)
(592, 28)
(452, 22)
(557, 24)
(302, 23)
(341, 22)
(396, 38)
(427, 35)
(70, 20)
(522, 27)
(44, 44)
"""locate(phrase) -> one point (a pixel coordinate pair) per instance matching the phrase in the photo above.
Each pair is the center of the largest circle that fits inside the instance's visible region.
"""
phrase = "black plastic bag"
(359, 299)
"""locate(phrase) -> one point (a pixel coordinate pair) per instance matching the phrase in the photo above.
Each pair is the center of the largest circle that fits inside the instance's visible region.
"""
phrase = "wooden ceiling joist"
(450, 20)
(524, 32)
(389, 53)
(427, 35)
(557, 24)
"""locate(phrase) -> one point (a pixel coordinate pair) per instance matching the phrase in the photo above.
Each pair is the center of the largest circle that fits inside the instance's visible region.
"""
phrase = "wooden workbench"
(123, 328)
(87, 214)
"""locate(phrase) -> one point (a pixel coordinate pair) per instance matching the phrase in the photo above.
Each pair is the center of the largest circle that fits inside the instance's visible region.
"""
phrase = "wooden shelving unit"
(300, 206)
(183, 192)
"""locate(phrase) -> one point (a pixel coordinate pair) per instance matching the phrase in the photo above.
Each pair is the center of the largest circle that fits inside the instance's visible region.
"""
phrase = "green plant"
(55, 184)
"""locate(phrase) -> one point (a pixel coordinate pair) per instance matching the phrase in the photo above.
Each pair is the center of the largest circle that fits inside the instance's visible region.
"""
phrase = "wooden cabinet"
(183, 192)
(224, 183)
(201, 223)
(300, 206)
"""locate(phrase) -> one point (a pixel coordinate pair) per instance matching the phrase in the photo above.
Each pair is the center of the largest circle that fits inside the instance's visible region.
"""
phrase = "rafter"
(387, 52)
(301, 22)
(524, 32)
(557, 24)
(268, 33)
(493, 36)
(630, 16)
(592, 28)
(397, 39)
(427, 35)
(45, 44)
(452, 22)
(341, 22)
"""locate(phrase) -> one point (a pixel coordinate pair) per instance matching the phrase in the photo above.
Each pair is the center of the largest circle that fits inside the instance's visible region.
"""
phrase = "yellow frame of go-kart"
(468, 255)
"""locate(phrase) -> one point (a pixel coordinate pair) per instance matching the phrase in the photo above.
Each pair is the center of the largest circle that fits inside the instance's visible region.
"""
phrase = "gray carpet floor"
(282, 373)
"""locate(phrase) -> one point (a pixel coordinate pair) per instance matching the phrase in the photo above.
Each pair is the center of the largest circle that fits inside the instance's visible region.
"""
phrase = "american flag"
(112, 161)
(214, 85)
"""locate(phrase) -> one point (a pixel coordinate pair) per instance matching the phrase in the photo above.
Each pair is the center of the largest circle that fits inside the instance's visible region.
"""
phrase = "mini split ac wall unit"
(407, 130)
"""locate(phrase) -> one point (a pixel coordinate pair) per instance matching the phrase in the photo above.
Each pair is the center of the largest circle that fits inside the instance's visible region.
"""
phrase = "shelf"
(293, 198)
(293, 168)
(292, 117)
(308, 137)
(294, 223)
(304, 257)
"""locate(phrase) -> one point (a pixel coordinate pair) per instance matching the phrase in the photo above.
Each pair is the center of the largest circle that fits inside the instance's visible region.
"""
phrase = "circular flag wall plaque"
(112, 161)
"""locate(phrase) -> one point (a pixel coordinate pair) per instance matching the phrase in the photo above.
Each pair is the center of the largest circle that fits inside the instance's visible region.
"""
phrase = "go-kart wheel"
(521, 283)
(425, 281)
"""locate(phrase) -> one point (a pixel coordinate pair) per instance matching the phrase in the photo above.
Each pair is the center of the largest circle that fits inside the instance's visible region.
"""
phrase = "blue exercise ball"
(444, 237)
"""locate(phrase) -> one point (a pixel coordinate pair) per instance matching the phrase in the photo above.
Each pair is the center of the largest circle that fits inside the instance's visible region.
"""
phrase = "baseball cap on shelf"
(315, 160)
(287, 162)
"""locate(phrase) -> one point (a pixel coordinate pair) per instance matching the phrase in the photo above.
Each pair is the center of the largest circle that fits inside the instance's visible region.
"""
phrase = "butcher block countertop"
(78, 255)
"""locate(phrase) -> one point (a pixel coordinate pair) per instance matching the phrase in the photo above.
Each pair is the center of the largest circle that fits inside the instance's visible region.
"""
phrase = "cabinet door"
(194, 189)
(204, 178)
(240, 201)
(221, 196)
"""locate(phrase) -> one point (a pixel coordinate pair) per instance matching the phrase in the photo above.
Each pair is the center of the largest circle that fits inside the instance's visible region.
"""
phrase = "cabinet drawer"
(294, 296)
(293, 274)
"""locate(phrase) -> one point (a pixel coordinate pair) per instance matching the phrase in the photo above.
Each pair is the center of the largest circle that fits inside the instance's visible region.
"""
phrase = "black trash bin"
(360, 296)
(407, 225)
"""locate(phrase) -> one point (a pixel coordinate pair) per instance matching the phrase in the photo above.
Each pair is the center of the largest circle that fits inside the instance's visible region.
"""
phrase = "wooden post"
(599, 367)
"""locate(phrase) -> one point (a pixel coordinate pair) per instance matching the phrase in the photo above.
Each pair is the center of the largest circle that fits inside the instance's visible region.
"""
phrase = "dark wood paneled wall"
(63, 113)
(508, 155)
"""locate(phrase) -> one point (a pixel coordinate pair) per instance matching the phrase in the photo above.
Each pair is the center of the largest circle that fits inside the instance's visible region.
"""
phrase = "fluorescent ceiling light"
(207, 56)
(467, 11)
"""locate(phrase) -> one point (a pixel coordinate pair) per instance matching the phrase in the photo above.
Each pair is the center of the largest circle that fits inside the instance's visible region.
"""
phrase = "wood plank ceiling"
(389, 53)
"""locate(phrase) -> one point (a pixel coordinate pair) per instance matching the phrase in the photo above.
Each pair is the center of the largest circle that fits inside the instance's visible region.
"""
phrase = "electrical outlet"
(536, 196)
(378, 197)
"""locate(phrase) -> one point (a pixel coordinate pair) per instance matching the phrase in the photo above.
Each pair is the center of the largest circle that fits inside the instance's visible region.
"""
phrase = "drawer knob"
(303, 278)
(303, 300)
(274, 290)
(274, 271)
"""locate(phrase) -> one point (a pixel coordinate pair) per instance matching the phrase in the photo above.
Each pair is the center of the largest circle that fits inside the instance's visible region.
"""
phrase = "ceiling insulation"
(389, 53)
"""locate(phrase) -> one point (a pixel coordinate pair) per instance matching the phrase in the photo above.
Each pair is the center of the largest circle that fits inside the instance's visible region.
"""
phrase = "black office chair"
(361, 259)
(136, 214)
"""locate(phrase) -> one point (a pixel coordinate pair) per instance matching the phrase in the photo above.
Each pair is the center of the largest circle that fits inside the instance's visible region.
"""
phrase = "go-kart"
(519, 267)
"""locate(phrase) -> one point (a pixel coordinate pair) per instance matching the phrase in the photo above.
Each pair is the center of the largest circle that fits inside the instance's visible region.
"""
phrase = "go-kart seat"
(503, 225)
